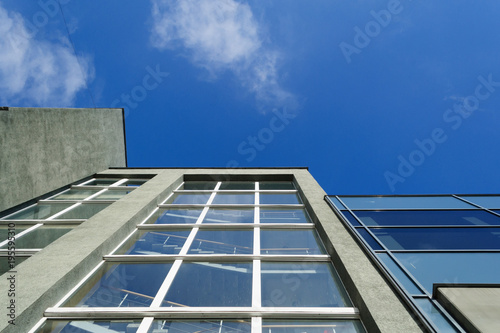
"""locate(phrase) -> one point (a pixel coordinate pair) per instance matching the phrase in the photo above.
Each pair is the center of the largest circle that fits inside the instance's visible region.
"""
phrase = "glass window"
(189, 198)
(351, 218)
(80, 326)
(234, 199)
(269, 215)
(276, 186)
(434, 315)
(39, 211)
(7, 263)
(237, 186)
(427, 217)
(74, 194)
(420, 202)
(429, 268)
(279, 199)
(222, 242)
(226, 215)
(121, 285)
(40, 237)
(198, 186)
(102, 182)
(485, 201)
(439, 238)
(369, 239)
(83, 211)
(13, 231)
(336, 202)
(201, 326)
(301, 285)
(155, 242)
(211, 284)
(112, 195)
(305, 242)
(399, 275)
(173, 216)
(312, 326)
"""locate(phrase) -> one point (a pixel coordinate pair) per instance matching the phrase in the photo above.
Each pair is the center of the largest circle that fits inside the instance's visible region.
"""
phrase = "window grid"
(396, 276)
(255, 312)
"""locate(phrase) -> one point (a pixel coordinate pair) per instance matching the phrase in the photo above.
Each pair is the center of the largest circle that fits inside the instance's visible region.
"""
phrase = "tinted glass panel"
(39, 211)
(276, 186)
(102, 182)
(434, 315)
(83, 211)
(369, 239)
(211, 284)
(173, 216)
(223, 215)
(189, 198)
(278, 199)
(301, 285)
(205, 326)
(74, 194)
(121, 285)
(222, 241)
(232, 198)
(13, 231)
(310, 326)
(237, 186)
(429, 268)
(336, 202)
(40, 237)
(283, 216)
(115, 326)
(290, 242)
(490, 201)
(439, 238)
(427, 217)
(204, 186)
(399, 274)
(155, 242)
(404, 202)
(112, 195)
(350, 218)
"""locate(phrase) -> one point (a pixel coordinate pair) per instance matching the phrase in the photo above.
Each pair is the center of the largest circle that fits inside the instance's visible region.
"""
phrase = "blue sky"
(375, 97)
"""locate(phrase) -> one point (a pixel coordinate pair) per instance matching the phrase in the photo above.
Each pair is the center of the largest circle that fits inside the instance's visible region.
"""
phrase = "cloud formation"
(222, 35)
(36, 72)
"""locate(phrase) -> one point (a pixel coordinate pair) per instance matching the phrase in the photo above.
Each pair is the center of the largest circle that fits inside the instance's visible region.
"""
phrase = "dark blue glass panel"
(427, 217)
(312, 326)
(399, 275)
(81, 326)
(211, 284)
(435, 316)
(205, 326)
(121, 285)
(279, 199)
(351, 218)
(439, 238)
(173, 216)
(369, 239)
(222, 242)
(406, 202)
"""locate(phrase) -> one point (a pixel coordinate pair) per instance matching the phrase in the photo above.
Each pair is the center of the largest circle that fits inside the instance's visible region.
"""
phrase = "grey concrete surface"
(42, 149)
(476, 309)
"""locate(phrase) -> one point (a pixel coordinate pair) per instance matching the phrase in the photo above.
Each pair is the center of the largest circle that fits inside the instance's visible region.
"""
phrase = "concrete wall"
(42, 149)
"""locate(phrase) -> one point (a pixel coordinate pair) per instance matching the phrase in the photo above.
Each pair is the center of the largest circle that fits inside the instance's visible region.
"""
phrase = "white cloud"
(35, 72)
(222, 35)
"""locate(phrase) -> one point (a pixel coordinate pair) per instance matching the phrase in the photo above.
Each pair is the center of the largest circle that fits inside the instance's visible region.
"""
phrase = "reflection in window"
(39, 211)
(234, 199)
(155, 242)
(434, 315)
(77, 326)
(198, 186)
(279, 199)
(485, 201)
(74, 194)
(310, 326)
(416, 202)
(304, 242)
(173, 216)
(237, 186)
(211, 284)
(301, 285)
(189, 199)
(205, 326)
(40, 237)
(226, 215)
(222, 242)
(268, 215)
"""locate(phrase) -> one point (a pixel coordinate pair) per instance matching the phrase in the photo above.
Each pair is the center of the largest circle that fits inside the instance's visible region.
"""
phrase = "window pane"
(224, 215)
(78, 326)
(232, 198)
(427, 217)
(429, 268)
(6, 263)
(268, 215)
(74, 194)
(237, 186)
(40, 237)
(189, 198)
(310, 326)
(281, 241)
(205, 326)
(199, 186)
(173, 216)
(276, 186)
(121, 285)
(301, 285)
(279, 199)
(486, 201)
(404, 202)
(439, 238)
(336, 202)
(351, 218)
(39, 211)
(84, 211)
(102, 182)
(399, 275)
(434, 315)
(13, 231)
(222, 242)
(369, 239)
(211, 284)
(112, 195)
(155, 242)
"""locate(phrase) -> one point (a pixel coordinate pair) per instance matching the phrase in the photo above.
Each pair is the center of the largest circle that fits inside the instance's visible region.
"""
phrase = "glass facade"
(30, 229)
(227, 250)
(426, 240)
